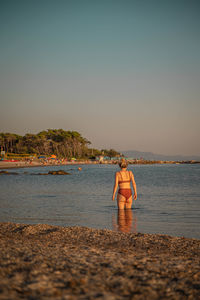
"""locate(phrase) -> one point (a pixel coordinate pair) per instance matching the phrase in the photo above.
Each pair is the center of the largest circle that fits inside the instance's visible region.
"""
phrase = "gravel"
(52, 262)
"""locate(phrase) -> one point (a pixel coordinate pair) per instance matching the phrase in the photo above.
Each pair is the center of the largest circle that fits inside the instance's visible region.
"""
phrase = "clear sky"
(124, 73)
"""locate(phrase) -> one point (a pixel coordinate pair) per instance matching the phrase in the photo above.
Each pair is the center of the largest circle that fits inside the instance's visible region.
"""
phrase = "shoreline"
(43, 261)
(23, 164)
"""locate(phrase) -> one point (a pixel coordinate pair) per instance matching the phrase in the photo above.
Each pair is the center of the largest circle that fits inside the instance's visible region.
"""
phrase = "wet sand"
(51, 262)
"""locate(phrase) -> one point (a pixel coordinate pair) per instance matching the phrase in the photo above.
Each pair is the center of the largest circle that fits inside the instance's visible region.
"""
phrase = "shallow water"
(168, 198)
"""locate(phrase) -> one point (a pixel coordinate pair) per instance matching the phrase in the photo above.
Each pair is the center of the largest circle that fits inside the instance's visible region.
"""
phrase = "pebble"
(51, 262)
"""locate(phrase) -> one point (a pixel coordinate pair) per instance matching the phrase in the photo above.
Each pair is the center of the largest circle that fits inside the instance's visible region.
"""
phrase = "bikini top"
(123, 181)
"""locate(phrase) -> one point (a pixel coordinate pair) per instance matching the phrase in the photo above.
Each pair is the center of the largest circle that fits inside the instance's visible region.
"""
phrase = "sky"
(123, 73)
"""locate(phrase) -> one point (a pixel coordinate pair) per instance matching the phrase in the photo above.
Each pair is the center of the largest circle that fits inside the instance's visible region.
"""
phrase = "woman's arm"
(134, 186)
(115, 186)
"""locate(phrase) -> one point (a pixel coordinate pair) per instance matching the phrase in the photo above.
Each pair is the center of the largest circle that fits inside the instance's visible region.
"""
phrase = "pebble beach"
(53, 262)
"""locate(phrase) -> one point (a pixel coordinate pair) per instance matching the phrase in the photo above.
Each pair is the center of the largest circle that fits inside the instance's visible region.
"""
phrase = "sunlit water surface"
(168, 198)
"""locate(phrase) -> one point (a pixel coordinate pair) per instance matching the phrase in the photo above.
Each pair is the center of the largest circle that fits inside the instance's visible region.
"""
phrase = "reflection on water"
(126, 221)
(168, 199)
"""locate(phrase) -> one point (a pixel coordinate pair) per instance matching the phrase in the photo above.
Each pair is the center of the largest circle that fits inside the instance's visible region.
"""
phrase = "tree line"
(64, 144)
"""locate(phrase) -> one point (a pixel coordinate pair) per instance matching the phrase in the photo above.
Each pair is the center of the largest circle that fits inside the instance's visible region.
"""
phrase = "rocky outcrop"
(8, 173)
(59, 172)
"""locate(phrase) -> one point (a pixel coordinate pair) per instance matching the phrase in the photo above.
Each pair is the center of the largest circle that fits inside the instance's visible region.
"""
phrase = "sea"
(168, 198)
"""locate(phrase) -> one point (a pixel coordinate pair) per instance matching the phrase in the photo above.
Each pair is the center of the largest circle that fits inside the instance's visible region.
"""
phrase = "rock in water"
(59, 172)
(8, 173)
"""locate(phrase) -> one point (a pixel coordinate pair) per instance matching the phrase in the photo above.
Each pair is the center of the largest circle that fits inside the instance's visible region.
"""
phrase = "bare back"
(124, 179)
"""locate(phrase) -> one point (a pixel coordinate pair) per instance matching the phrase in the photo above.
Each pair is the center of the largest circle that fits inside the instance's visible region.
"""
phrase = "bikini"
(127, 193)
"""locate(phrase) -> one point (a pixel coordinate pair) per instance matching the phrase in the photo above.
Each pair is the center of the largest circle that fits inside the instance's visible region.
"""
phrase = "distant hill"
(152, 156)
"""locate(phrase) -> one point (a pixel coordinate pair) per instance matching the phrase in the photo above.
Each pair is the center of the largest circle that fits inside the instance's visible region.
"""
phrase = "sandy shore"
(23, 164)
(19, 164)
(50, 262)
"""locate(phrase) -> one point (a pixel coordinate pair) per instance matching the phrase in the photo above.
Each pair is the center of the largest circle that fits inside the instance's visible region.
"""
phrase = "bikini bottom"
(127, 193)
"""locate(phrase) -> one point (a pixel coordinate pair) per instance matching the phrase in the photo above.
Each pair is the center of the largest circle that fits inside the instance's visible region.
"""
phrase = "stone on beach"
(43, 261)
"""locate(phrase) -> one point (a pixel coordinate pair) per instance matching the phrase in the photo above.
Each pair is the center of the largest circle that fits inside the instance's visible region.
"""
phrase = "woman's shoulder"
(130, 173)
(118, 174)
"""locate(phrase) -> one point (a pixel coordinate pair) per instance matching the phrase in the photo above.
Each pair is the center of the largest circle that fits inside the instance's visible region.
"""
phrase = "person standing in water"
(123, 179)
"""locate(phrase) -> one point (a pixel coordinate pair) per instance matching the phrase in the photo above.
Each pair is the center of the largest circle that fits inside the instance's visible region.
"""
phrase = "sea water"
(168, 198)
